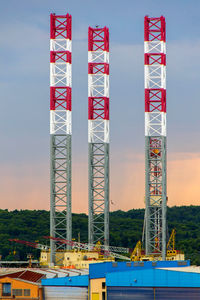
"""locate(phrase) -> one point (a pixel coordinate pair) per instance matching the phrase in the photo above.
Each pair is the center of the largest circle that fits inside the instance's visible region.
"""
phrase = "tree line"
(125, 230)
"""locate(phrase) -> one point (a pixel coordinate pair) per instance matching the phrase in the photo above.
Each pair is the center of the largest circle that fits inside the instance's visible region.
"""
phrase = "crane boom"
(31, 244)
(171, 242)
(82, 246)
(90, 247)
(116, 255)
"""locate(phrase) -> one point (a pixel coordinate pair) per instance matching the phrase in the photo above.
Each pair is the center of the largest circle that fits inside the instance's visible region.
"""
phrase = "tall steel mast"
(60, 130)
(98, 134)
(155, 135)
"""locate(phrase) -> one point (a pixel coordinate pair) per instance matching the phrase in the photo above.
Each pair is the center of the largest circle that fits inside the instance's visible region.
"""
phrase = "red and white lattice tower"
(155, 135)
(98, 134)
(60, 129)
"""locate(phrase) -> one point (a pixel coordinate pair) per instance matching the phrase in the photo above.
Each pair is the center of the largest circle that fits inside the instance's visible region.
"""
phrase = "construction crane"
(137, 252)
(31, 244)
(107, 250)
(90, 247)
(76, 245)
(171, 244)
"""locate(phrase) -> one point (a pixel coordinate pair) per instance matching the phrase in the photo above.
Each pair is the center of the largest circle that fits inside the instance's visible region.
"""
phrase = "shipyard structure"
(63, 251)
(154, 269)
(155, 136)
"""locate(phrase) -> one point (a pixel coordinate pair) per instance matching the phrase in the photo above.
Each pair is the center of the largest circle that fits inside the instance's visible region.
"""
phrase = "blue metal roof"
(153, 278)
(80, 280)
(100, 270)
(131, 274)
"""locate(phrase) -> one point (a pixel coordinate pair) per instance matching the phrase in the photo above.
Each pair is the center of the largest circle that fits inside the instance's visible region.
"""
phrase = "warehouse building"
(160, 280)
(75, 287)
(20, 283)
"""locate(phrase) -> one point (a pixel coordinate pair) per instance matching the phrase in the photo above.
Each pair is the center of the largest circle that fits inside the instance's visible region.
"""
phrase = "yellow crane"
(171, 251)
(137, 252)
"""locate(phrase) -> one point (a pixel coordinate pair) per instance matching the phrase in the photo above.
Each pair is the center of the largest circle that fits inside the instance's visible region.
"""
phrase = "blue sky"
(24, 84)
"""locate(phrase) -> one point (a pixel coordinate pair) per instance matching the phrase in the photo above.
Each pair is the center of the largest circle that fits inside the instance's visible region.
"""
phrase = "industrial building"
(21, 284)
(25, 283)
(73, 259)
(129, 280)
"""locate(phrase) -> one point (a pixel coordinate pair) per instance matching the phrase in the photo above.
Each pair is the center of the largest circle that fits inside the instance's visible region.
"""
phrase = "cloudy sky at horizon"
(24, 85)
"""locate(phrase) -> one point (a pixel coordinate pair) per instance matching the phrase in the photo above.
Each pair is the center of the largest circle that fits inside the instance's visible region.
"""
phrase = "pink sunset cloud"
(27, 187)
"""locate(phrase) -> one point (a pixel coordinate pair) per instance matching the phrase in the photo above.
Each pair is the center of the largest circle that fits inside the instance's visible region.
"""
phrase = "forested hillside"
(125, 230)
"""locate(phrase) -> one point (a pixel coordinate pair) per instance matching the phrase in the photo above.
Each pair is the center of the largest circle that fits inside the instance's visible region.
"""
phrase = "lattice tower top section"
(60, 73)
(98, 85)
(155, 76)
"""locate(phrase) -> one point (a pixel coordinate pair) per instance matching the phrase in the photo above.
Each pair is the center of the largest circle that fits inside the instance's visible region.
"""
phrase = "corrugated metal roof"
(12, 274)
(25, 275)
(31, 276)
(190, 269)
(99, 270)
(44, 272)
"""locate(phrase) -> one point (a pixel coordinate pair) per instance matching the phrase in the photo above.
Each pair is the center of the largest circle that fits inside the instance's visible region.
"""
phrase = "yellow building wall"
(81, 260)
(19, 284)
(97, 289)
(76, 259)
(45, 258)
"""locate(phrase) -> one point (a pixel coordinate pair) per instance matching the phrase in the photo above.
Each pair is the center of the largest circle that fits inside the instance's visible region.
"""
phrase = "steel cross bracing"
(90, 247)
(108, 250)
(60, 130)
(98, 134)
(155, 135)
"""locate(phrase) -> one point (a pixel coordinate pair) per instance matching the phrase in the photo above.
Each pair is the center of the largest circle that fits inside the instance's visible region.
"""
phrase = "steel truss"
(60, 131)
(155, 136)
(98, 135)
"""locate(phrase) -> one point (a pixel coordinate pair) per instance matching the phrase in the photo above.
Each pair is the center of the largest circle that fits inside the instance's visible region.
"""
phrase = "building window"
(27, 292)
(17, 292)
(103, 285)
(104, 296)
(6, 289)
